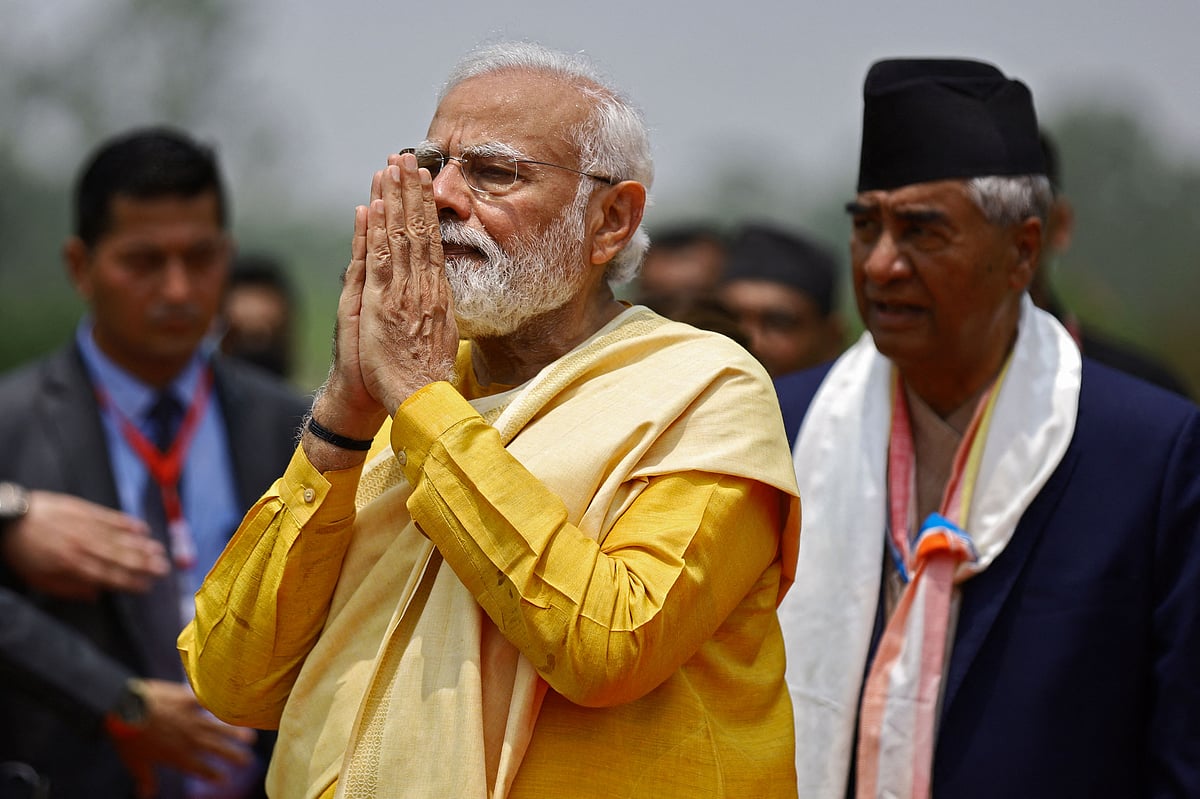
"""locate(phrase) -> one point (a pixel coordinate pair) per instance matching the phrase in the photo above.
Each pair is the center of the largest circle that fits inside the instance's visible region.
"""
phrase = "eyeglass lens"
(487, 173)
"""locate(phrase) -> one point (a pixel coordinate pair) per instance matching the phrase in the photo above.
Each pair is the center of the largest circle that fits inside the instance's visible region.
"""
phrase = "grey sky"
(344, 83)
(750, 79)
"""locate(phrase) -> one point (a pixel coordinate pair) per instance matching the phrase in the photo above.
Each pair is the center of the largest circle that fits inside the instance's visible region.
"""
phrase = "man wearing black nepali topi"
(995, 596)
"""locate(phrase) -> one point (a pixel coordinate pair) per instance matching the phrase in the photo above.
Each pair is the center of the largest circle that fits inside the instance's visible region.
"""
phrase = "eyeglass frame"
(426, 151)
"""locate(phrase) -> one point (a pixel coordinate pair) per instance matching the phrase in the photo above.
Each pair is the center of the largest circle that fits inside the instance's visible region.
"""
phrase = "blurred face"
(786, 329)
(937, 285)
(690, 270)
(153, 282)
(258, 326)
(258, 312)
(522, 252)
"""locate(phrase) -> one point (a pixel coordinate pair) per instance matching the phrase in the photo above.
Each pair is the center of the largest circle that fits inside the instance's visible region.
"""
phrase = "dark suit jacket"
(50, 660)
(1121, 356)
(1075, 670)
(51, 438)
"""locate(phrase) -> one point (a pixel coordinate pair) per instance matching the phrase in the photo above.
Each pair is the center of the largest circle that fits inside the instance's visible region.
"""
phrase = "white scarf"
(841, 468)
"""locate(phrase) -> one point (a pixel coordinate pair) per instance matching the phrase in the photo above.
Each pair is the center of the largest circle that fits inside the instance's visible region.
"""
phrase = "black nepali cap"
(763, 252)
(944, 119)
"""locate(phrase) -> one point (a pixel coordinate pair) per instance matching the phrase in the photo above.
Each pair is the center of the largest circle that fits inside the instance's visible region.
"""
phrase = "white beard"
(540, 273)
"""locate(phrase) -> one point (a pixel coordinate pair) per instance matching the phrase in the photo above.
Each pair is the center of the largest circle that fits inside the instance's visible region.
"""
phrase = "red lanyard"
(166, 467)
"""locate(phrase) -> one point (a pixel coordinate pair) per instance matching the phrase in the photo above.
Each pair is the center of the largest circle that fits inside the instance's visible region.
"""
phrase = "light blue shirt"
(207, 489)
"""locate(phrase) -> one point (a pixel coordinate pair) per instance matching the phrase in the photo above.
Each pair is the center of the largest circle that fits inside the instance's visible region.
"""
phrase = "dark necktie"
(160, 605)
(165, 415)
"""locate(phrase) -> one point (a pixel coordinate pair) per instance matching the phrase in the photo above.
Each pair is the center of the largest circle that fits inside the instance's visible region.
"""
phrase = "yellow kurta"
(629, 543)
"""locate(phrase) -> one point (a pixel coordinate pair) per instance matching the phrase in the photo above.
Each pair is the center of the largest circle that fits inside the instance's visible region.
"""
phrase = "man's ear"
(616, 213)
(1060, 226)
(1027, 239)
(77, 257)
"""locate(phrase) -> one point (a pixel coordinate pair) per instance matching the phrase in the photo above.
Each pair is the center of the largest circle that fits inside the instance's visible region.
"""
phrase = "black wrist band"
(325, 434)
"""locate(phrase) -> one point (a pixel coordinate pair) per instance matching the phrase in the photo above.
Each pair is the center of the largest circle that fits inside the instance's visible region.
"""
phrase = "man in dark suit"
(996, 592)
(129, 458)
(57, 666)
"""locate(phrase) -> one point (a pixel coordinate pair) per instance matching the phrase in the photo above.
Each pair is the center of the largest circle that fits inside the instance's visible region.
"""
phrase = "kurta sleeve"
(262, 607)
(604, 623)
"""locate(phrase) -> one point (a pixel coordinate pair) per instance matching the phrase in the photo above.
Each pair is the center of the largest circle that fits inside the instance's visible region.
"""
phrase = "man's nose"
(451, 194)
(176, 282)
(885, 261)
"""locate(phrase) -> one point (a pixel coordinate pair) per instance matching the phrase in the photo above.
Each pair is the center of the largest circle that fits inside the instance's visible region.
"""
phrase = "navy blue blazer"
(1075, 670)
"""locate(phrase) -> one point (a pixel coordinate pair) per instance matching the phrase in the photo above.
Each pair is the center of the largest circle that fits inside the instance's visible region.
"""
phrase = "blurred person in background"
(257, 318)
(134, 452)
(1060, 228)
(782, 289)
(683, 262)
(679, 277)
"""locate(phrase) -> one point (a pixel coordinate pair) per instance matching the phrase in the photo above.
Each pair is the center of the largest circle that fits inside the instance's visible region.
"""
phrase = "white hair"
(613, 140)
(1006, 200)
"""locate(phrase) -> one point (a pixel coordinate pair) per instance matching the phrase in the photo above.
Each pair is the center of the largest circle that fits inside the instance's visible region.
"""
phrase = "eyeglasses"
(487, 173)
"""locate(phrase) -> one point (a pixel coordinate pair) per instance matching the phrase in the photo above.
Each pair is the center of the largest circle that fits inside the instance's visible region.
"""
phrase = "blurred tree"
(1133, 268)
(117, 64)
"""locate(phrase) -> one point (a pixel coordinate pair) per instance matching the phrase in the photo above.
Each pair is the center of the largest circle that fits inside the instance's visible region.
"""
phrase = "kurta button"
(402, 457)
(309, 495)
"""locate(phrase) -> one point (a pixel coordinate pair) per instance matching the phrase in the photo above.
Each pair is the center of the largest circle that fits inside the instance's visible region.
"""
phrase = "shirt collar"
(128, 394)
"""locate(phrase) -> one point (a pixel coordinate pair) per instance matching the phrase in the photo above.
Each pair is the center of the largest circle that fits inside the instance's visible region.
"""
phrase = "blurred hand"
(71, 548)
(181, 734)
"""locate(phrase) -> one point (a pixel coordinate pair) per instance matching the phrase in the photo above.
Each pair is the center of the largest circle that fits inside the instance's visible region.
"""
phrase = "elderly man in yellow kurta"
(555, 570)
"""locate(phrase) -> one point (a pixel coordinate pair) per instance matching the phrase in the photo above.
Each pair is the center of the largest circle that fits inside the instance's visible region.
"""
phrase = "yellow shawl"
(401, 629)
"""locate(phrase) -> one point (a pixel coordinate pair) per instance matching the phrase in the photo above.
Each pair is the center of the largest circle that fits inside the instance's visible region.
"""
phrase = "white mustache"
(459, 234)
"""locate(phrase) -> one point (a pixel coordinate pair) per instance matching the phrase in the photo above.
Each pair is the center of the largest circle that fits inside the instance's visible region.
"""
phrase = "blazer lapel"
(984, 595)
(259, 439)
(72, 423)
(239, 413)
